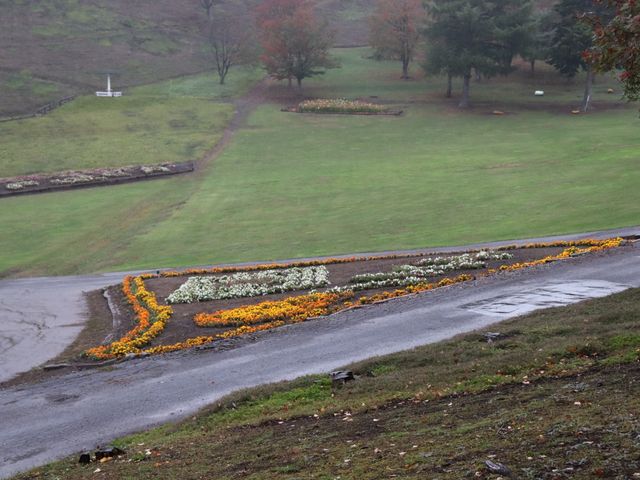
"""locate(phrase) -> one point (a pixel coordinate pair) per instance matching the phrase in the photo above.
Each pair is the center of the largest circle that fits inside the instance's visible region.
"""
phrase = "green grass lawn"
(174, 121)
(296, 185)
(559, 391)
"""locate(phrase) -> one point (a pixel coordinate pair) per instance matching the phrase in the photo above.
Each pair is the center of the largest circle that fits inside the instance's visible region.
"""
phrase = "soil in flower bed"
(181, 325)
(88, 178)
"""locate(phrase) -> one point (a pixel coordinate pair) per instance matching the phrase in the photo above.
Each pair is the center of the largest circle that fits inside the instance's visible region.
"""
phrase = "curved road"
(57, 417)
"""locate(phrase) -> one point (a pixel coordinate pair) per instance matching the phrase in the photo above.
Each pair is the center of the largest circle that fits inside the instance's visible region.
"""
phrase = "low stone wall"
(42, 183)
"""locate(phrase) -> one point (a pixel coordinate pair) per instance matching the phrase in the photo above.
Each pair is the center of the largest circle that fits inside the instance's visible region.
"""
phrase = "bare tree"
(231, 37)
(207, 5)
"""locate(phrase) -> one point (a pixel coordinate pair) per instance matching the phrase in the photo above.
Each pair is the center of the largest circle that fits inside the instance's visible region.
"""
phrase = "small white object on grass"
(109, 92)
(539, 93)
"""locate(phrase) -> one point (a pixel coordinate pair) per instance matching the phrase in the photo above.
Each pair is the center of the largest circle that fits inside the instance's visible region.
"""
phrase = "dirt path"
(244, 106)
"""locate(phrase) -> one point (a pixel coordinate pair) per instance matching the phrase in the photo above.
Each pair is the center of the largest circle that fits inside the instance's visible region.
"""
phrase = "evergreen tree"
(573, 38)
(539, 41)
(475, 35)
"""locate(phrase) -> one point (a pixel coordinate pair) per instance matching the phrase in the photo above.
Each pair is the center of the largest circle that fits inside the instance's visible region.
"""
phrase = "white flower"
(249, 284)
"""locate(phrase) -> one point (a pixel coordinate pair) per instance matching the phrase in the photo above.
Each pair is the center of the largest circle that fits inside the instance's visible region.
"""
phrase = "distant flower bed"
(22, 184)
(339, 105)
(78, 178)
(73, 179)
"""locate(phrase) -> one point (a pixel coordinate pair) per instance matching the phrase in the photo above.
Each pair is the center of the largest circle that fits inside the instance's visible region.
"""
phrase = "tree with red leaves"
(395, 30)
(617, 44)
(295, 42)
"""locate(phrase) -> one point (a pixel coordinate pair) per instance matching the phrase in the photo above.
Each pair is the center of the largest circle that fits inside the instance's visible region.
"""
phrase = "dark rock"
(341, 377)
(85, 457)
(498, 468)
(55, 366)
(108, 452)
(493, 336)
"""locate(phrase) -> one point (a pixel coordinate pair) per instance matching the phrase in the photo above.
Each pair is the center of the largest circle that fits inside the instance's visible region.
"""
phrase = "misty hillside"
(52, 49)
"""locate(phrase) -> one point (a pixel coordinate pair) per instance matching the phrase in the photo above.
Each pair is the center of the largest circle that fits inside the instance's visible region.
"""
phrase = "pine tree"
(475, 35)
(573, 38)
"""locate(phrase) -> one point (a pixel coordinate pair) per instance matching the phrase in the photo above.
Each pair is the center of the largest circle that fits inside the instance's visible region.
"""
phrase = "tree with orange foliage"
(617, 44)
(395, 30)
(295, 42)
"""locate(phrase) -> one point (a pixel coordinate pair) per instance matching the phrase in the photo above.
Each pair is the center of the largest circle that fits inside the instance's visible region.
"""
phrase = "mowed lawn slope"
(296, 185)
(173, 121)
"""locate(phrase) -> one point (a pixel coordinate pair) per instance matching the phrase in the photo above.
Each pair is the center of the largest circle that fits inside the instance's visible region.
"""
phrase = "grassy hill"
(557, 397)
(52, 49)
(299, 185)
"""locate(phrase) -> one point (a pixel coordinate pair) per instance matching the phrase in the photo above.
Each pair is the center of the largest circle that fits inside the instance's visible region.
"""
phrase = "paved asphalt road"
(57, 417)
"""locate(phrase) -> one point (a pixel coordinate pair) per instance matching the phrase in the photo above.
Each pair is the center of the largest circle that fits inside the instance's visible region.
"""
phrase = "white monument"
(109, 92)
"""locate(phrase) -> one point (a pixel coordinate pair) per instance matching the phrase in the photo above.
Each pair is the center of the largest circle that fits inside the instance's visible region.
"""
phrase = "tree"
(394, 30)
(474, 35)
(295, 42)
(572, 38)
(617, 44)
(231, 37)
(537, 45)
(207, 5)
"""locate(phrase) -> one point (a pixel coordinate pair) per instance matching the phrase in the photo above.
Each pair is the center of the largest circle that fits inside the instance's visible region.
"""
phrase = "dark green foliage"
(483, 36)
(572, 36)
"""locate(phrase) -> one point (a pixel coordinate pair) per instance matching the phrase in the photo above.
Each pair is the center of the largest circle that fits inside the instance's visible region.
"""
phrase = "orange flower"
(292, 309)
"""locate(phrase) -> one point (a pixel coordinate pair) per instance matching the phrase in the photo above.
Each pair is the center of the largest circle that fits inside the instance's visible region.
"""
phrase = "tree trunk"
(532, 62)
(289, 82)
(299, 82)
(405, 69)
(464, 101)
(588, 89)
(449, 84)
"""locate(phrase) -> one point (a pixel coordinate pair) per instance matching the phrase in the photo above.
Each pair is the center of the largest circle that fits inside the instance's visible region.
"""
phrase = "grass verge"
(555, 397)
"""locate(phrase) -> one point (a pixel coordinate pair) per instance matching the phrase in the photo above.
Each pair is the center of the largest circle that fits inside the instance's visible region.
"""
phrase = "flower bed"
(151, 317)
(429, 267)
(341, 106)
(83, 178)
(292, 309)
(245, 284)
